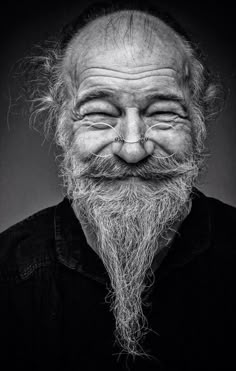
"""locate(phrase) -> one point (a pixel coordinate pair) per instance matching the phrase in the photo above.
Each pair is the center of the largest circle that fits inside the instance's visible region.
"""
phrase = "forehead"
(112, 49)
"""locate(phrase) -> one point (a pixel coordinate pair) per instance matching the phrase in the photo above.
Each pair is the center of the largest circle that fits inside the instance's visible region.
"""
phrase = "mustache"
(149, 169)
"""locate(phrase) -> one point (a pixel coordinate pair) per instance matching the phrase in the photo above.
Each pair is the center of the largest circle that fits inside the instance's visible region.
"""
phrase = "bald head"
(126, 37)
(121, 40)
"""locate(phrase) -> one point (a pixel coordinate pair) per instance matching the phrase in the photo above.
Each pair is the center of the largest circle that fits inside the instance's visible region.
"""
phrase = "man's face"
(128, 90)
(131, 195)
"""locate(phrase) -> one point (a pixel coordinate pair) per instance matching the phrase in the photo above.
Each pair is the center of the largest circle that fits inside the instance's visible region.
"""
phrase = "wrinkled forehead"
(126, 39)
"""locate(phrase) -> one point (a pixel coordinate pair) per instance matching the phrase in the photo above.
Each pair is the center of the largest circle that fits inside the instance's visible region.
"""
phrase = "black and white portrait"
(118, 183)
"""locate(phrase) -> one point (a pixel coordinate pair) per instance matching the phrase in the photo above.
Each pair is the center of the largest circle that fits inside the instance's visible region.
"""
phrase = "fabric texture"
(53, 312)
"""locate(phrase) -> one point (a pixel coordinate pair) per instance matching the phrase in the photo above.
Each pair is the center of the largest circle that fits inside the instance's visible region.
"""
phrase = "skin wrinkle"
(92, 82)
(131, 203)
(131, 71)
(101, 91)
(122, 70)
(109, 33)
(133, 78)
(126, 71)
(148, 101)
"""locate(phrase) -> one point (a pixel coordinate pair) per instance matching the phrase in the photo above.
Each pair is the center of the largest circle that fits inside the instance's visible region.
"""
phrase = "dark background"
(28, 180)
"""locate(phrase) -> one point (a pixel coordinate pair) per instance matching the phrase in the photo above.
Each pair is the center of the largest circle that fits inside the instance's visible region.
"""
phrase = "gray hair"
(49, 97)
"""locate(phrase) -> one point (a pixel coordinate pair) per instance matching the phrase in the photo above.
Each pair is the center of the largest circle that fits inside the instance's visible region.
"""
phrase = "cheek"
(87, 142)
(100, 142)
(173, 141)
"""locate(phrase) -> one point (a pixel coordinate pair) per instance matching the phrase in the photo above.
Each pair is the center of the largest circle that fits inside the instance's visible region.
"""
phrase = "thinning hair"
(47, 90)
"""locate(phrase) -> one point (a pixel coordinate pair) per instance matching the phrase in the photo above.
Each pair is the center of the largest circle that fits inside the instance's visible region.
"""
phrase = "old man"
(135, 268)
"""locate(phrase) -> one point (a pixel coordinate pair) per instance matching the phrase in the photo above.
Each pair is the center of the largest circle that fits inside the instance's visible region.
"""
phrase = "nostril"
(141, 140)
(119, 139)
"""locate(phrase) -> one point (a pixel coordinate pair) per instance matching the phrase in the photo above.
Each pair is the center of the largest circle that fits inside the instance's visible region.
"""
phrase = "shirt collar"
(73, 251)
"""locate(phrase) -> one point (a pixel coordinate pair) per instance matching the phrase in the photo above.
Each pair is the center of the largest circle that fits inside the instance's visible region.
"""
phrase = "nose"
(131, 130)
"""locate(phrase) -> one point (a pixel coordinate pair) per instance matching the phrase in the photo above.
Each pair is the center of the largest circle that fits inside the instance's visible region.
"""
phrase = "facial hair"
(131, 220)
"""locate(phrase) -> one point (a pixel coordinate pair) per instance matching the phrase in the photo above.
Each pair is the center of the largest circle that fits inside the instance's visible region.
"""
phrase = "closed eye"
(100, 126)
(162, 114)
(167, 116)
(100, 109)
(107, 114)
(76, 116)
(162, 126)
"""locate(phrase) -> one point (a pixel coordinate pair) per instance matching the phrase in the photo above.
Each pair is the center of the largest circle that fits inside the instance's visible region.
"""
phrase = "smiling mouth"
(130, 179)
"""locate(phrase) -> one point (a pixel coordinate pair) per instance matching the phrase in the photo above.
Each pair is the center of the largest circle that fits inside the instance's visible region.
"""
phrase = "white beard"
(132, 221)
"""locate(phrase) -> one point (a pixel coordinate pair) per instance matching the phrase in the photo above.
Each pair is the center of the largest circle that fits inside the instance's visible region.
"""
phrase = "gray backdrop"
(29, 180)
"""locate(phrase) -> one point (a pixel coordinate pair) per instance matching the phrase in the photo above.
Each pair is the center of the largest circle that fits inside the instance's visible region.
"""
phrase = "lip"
(130, 179)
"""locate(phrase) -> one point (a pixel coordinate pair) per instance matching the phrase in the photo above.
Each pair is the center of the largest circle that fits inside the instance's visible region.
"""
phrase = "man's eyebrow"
(154, 96)
(166, 97)
(95, 94)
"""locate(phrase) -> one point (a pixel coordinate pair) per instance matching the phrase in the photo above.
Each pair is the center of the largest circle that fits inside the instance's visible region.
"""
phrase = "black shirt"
(53, 313)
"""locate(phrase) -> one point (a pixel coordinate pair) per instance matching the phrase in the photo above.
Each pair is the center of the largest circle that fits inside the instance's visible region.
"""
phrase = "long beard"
(131, 221)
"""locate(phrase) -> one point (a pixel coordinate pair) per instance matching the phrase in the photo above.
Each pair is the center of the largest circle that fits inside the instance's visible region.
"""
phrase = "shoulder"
(36, 225)
(222, 222)
(218, 211)
(220, 206)
(210, 229)
(223, 218)
(26, 239)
